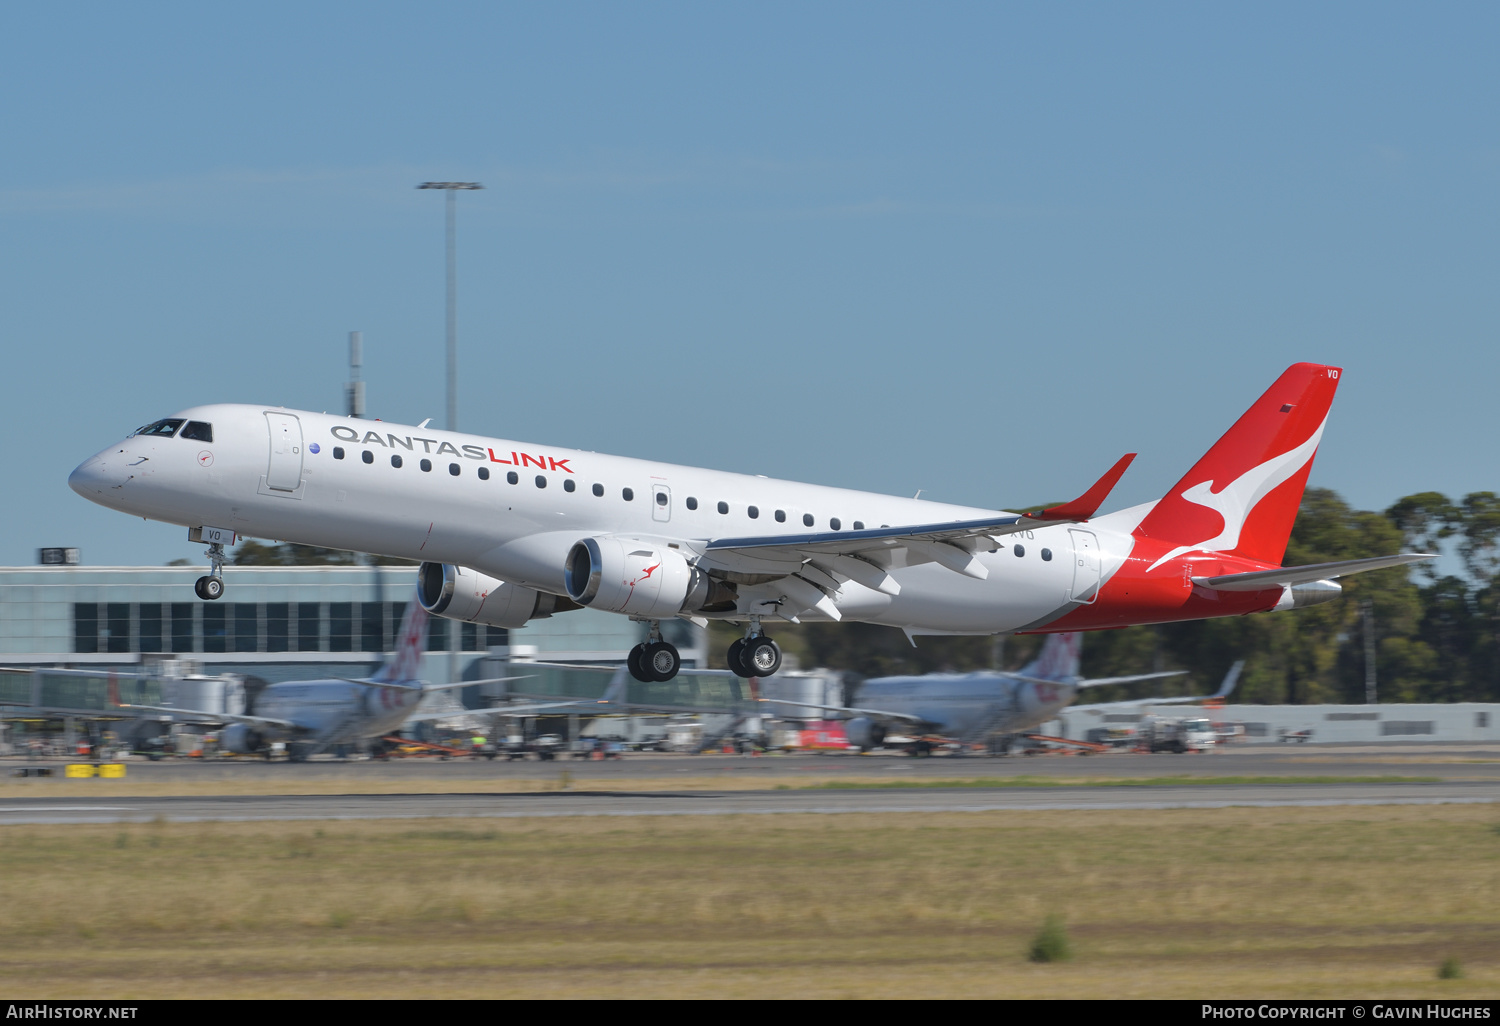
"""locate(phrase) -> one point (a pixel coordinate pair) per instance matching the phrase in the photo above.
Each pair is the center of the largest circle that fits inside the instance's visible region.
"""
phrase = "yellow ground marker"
(84, 769)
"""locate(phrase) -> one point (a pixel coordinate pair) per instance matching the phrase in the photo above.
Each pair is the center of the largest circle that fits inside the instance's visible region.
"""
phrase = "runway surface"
(710, 803)
(1466, 760)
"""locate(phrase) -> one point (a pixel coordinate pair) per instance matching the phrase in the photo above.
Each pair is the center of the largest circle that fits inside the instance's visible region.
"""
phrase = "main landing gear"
(211, 588)
(657, 661)
(654, 661)
(754, 655)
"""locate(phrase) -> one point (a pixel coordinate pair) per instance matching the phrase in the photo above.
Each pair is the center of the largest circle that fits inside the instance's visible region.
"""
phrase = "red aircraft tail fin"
(1242, 497)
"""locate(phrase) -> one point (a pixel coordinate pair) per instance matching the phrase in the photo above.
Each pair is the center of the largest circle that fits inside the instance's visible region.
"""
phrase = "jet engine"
(864, 733)
(241, 738)
(641, 579)
(458, 593)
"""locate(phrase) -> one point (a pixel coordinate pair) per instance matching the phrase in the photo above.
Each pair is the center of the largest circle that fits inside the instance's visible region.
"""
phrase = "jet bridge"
(41, 697)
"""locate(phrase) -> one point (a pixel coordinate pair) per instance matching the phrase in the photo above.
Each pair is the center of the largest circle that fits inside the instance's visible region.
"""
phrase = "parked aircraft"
(971, 707)
(312, 716)
(512, 531)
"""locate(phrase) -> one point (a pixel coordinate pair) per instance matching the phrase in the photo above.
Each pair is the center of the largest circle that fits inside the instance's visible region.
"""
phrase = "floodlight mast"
(449, 188)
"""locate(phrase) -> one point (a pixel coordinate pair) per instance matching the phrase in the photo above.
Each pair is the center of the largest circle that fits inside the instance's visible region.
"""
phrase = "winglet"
(1087, 504)
(1230, 680)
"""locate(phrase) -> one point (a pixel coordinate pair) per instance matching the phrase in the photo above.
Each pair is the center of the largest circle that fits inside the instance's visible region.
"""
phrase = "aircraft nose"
(90, 477)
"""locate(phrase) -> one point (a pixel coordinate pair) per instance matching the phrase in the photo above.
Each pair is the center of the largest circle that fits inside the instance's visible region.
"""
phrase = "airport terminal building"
(76, 642)
(281, 623)
(278, 623)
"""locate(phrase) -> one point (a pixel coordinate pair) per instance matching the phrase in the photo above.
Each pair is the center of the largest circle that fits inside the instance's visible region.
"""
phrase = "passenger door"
(1087, 569)
(284, 473)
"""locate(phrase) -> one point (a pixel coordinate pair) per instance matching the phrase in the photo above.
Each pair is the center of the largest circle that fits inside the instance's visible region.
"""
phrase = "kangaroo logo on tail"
(1241, 498)
(1235, 500)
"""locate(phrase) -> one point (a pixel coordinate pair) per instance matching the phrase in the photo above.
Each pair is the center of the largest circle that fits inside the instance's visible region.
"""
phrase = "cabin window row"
(753, 512)
(456, 469)
(628, 494)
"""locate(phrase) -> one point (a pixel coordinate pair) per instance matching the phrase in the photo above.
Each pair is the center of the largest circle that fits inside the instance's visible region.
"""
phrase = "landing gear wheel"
(636, 663)
(734, 658)
(761, 656)
(209, 588)
(661, 661)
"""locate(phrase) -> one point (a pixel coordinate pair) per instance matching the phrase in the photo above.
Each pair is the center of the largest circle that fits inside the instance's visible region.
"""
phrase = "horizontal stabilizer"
(1087, 504)
(1264, 580)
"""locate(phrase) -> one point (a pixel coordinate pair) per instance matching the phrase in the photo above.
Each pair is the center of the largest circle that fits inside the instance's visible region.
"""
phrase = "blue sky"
(975, 249)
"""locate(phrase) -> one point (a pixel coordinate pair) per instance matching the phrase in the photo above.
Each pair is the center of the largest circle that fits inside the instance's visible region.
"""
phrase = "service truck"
(1177, 734)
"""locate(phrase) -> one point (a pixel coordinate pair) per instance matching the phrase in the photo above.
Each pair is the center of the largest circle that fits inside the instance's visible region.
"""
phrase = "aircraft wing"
(472, 683)
(496, 710)
(200, 716)
(1099, 682)
(614, 668)
(426, 687)
(613, 701)
(866, 556)
(1261, 580)
(1230, 680)
(883, 713)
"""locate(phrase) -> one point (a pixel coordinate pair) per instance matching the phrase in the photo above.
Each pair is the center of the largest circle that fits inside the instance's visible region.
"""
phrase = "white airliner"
(971, 707)
(314, 715)
(511, 531)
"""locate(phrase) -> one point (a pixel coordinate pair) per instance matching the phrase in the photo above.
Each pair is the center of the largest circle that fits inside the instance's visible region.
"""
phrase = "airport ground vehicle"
(1177, 734)
(655, 541)
(547, 747)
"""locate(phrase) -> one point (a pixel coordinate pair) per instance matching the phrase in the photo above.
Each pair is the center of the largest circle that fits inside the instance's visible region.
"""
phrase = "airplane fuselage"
(514, 510)
(968, 705)
(335, 710)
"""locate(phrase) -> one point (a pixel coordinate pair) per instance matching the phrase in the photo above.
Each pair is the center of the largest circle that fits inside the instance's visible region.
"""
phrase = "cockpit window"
(163, 428)
(198, 431)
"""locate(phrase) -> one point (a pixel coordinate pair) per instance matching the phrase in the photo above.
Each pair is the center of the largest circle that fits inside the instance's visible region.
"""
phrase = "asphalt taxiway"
(230, 808)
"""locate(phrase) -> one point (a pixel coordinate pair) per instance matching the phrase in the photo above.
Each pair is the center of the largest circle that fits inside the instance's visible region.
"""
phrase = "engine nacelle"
(458, 593)
(864, 733)
(1312, 593)
(641, 579)
(241, 739)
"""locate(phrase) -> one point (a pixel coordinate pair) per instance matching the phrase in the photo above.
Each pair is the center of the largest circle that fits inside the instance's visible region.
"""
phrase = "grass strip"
(987, 782)
(1326, 903)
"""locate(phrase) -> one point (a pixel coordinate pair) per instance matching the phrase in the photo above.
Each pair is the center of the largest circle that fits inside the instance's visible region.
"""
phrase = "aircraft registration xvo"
(511, 531)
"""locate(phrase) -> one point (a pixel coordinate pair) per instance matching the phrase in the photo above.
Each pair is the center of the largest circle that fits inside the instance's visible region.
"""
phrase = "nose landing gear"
(655, 661)
(211, 588)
